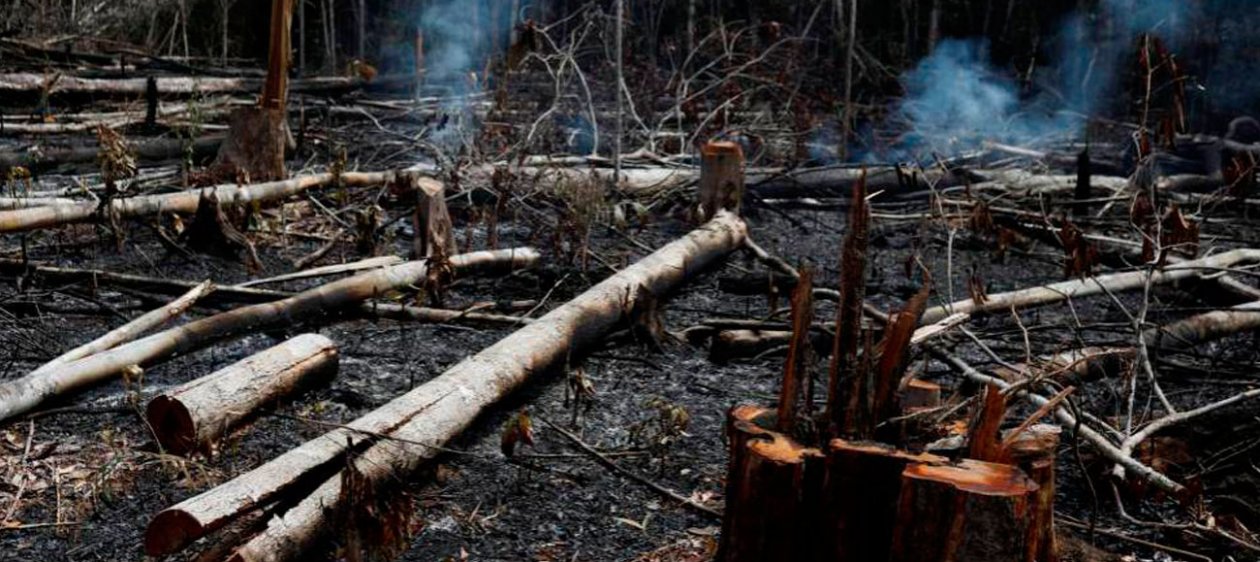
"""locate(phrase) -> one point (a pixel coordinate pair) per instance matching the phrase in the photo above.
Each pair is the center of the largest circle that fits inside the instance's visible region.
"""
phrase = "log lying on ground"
(1077, 288)
(151, 150)
(181, 202)
(98, 277)
(193, 416)
(969, 512)
(729, 345)
(30, 83)
(9, 203)
(777, 183)
(438, 410)
(19, 396)
(74, 124)
(133, 329)
(1200, 328)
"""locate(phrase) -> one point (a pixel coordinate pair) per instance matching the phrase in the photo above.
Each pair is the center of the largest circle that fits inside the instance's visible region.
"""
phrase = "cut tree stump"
(431, 222)
(920, 395)
(195, 415)
(972, 511)
(255, 144)
(1033, 451)
(212, 232)
(721, 178)
(861, 488)
(771, 491)
(258, 136)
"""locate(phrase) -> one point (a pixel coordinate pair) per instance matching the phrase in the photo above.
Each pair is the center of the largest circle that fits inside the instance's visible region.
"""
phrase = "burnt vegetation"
(651, 280)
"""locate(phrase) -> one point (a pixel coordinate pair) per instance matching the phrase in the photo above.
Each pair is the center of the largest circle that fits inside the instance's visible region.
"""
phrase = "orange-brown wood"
(972, 511)
(276, 88)
(861, 487)
(771, 492)
(721, 178)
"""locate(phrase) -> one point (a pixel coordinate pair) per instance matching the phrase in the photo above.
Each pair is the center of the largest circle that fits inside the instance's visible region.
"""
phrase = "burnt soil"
(92, 465)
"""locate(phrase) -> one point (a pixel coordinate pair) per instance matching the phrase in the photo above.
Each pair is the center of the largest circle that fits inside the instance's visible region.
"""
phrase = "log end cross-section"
(196, 414)
(972, 511)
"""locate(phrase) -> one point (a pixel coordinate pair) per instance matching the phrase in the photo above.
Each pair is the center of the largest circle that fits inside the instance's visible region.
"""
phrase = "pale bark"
(33, 84)
(132, 329)
(369, 263)
(19, 396)
(195, 415)
(438, 410)
(181, 202)
(1078, 288)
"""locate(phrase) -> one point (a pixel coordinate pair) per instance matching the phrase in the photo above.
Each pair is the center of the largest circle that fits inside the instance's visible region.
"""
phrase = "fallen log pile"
(24, 394)
(417, 424)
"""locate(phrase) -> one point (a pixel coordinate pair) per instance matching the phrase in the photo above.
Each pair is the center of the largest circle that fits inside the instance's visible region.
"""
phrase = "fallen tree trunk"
(21, 395)
(131, 330)
(9, 203)
(438, 410)
(152, 150)
(30, 83)
(1200, 328)
(181, 202)
(195, 415)
(1077, 288)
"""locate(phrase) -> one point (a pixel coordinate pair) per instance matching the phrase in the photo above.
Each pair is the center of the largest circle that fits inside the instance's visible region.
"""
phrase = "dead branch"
(1077, 288)
(133, 329)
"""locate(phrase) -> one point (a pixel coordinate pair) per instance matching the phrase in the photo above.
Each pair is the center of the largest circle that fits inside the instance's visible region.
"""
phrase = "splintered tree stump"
(193, 416)
(721, 178)
(431, 221)
(861, 488)
(254, 147)
(972, 511)
(212, 232)
(771, 499)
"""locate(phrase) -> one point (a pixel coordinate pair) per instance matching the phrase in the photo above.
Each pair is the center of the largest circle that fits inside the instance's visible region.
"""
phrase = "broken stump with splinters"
(721, 178)
(258, 136)
(972, 511)
(195, 415)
